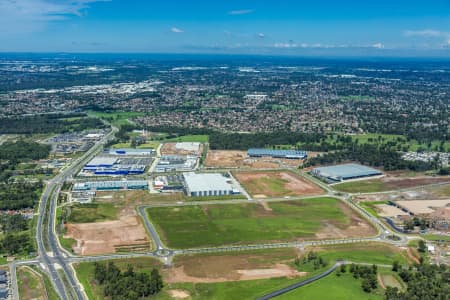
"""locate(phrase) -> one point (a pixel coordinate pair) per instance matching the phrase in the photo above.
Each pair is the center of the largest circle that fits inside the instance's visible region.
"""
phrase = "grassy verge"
(374, 253)
(436, 237)
(362, 186)
(333, 287)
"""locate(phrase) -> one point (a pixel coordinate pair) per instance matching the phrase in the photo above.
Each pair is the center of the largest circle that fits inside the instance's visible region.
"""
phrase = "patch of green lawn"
(436, 237)
(332, 287)
(115, 118)
(223, 224)
(201, 138)
(362, 186)
(373, 253)
(92, 212)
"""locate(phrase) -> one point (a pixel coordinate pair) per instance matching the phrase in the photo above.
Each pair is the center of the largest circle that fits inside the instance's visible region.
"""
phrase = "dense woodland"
(128, 285)
(18, 195)
(424, 282)
(51, 123)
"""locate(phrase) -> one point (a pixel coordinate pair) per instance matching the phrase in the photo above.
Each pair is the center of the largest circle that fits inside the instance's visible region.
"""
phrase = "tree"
(395, 266)
(422, 247)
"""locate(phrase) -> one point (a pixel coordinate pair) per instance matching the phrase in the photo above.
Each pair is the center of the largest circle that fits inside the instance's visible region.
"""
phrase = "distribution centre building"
(111, 185)
(208, 184)
(338, 173)
(289, 154)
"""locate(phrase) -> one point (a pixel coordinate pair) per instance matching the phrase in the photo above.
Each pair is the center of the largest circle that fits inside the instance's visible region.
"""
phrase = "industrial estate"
(157, 197)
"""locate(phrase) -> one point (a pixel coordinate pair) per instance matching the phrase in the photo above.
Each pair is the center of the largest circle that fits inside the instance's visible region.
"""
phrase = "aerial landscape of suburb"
(224, 150)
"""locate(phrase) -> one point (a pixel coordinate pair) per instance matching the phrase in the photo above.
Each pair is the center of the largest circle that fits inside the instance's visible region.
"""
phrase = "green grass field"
(343, 287)
(214, 225)
(374, 253)
(147, 145)
(115, 118)
(436, 237)
(332, 287)
(189, 138)
(362, 186)
(92, 212)
(372, 138)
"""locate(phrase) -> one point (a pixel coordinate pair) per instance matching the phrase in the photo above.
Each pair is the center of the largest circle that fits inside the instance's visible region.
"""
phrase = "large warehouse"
(289, 154)
(171, 163)
(208, 184)
(338, 173)
(111, 185)
(132, 152)
(112, 165)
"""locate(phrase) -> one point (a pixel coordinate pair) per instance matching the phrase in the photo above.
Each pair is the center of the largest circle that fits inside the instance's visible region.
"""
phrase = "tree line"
(424, 282)
(372, 155)
(127, 285)
(49, 123)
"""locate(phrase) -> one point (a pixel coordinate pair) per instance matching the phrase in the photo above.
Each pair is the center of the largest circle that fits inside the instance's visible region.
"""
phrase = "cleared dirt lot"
(236, 159)
(423, 206)
(125, 233)
(276, 184)
(227, 267)
(171, 148)
(357, 227)
(386, 210)
(109, 236)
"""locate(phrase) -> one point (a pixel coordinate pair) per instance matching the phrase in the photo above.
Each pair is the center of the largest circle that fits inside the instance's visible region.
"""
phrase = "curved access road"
(301, 283)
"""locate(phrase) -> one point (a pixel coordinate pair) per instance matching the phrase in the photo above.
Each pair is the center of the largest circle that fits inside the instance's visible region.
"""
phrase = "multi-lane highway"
(56, 262)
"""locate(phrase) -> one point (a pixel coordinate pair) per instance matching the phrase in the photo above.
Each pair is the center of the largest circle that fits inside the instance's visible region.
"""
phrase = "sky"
(318, 27)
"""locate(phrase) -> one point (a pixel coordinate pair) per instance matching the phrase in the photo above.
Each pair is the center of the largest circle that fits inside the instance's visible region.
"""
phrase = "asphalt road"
(57, 259)
(300, 284)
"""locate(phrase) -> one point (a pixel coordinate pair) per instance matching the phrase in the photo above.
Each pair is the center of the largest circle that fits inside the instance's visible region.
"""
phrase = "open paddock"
(249, 223)
(265, 184)
(388, 183)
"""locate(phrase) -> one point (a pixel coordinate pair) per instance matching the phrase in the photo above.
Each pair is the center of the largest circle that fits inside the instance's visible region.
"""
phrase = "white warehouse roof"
(207, 182)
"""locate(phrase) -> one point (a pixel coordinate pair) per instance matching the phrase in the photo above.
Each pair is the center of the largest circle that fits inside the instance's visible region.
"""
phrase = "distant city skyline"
(333, 28)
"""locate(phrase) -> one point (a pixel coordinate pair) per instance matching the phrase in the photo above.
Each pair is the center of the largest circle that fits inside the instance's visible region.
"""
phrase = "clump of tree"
(368, 274)
(423, 282)
(19, 195)
(49, 123)
(409, 225)
(128, 285)
(16, 243)
(312, 258)
(13, 223)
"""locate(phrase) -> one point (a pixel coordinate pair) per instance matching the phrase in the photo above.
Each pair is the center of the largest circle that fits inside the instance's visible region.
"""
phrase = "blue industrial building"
(289, 154)
(343, 172)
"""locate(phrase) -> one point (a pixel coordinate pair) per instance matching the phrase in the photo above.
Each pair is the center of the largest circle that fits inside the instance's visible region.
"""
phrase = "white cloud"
(261, 35)
(176, 30)
(241, 12)
(18, 16)
(426, 33)
(378, 46)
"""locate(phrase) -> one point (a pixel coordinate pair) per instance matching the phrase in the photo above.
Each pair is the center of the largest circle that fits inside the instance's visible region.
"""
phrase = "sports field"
(263, 184)
(225, 224)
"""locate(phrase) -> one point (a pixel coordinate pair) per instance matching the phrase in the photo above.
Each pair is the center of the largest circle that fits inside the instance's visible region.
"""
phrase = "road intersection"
(56, 262)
